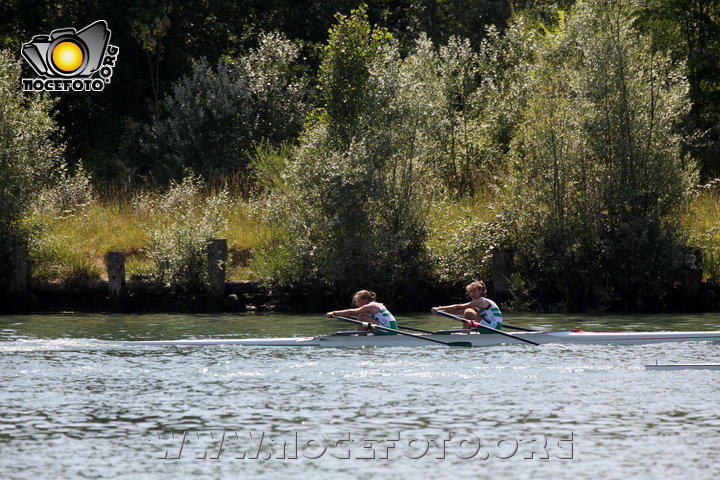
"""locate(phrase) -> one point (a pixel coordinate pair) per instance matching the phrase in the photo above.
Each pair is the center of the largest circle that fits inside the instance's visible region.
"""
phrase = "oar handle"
(476, 324)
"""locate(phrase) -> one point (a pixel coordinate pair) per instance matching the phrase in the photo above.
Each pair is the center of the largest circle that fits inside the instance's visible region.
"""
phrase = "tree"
(598, 178)
(27, 155)
(690, 31)
(348, 202)
(212, 118)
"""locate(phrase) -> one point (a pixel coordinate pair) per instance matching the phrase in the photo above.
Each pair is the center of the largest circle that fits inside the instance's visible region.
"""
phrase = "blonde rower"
(368, 310)
(479, 309)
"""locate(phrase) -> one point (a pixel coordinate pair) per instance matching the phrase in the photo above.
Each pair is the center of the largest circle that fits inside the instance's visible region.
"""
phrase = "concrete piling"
(217, 259)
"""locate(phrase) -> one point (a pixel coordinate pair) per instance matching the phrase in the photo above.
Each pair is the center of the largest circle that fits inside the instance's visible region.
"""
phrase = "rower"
(478, 311)
(368, 310)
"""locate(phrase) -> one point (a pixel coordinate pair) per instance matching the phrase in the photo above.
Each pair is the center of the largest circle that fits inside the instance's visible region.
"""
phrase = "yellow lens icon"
(67, 56)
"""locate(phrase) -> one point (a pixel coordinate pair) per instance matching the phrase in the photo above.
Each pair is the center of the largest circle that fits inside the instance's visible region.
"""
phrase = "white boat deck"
(474, 338)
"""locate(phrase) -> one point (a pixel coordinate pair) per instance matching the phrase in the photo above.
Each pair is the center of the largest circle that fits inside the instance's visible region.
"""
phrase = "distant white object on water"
(683, 366)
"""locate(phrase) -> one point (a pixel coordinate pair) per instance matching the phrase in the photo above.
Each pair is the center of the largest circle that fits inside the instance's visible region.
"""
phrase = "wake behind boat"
(475, 339)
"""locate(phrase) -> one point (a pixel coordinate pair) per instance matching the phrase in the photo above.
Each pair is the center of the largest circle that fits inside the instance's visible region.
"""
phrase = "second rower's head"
(363, 297)
(476, 289)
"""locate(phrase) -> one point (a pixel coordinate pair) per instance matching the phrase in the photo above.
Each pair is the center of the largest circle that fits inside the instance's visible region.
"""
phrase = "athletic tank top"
(491, 316)
(384, 317)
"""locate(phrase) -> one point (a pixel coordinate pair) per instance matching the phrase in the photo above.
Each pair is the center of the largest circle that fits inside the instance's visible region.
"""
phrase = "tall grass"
(703, 224)
(74, 246)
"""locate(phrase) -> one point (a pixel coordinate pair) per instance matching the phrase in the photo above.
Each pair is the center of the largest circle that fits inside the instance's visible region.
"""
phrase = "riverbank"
(68, 259)
(144, 296)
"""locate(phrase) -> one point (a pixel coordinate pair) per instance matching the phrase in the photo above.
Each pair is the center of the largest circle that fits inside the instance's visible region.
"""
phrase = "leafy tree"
(690, 31)
(344, 73)
(27, 155)
(213, 117)
(348, 202)
(598, 179)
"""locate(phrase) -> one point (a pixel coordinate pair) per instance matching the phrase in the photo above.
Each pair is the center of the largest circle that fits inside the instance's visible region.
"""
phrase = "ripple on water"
(87, 406)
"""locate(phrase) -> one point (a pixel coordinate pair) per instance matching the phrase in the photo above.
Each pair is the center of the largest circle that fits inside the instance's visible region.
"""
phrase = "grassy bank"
(73, 245)
(703, 223)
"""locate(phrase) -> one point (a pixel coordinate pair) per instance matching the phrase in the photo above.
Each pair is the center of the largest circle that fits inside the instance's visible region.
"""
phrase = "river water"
(76, 403)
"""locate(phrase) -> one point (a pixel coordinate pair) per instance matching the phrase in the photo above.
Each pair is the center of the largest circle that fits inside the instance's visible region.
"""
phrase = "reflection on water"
(76, 403)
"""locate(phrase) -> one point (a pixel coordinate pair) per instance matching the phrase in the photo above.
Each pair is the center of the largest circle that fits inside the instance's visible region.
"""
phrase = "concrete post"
(217, 259)
(17, 281)
(116, 278)
(502, 268)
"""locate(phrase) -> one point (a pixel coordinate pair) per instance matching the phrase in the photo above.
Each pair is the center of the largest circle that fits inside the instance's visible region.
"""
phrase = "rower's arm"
(456, 308)
(354, 312)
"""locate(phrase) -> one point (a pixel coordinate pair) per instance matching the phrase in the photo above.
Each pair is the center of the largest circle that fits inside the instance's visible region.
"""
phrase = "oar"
(522, 329)
(387, 329)
(414, 329)
(475, 324)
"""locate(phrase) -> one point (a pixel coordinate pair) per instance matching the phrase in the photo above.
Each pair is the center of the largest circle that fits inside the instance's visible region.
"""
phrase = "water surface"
(76, 403)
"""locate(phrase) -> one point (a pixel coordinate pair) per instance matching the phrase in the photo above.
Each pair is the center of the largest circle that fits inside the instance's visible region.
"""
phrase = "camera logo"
(68, 59)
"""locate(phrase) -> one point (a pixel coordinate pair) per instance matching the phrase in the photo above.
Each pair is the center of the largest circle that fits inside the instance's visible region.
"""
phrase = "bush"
(179, 224)
(27, 155)
(598, 184)
(461, 240)
(68, 193)
(348, 203)
(213, 117)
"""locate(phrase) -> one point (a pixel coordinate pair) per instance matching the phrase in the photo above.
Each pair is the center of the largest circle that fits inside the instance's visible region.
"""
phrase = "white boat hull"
(476, 339)
(684, 366)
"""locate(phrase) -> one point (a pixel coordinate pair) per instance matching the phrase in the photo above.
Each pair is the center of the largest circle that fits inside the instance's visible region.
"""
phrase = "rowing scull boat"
(347, 339)
(683, 366)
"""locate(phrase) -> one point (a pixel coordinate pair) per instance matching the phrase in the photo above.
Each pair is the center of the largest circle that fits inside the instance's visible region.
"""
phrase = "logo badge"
(71, 60)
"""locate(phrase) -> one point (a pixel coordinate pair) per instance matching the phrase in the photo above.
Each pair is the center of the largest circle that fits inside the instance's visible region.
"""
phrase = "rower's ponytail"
(365, 295)
(479, 284)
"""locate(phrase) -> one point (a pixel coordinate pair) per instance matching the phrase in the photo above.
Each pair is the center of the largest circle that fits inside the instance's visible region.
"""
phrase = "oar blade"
(460, 344)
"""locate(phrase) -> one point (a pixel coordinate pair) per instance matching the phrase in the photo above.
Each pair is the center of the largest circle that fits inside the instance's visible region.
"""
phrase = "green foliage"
(344, 72)
(565, 121)
(703, 223)
(500, 102)
(350, 206)
(27, 154)
(268, 164)
(179, 224)
(213, 117)
(68, 193)
(442, 110)
(464, 253)
(55, 256)
(689, 30)
(597, 180)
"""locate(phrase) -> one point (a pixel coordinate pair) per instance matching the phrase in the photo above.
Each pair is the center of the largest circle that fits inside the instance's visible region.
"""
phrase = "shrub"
(180, 223)
(214, 116)
(27, 155)
(68, 193)
(597, 185)
(349, 205)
